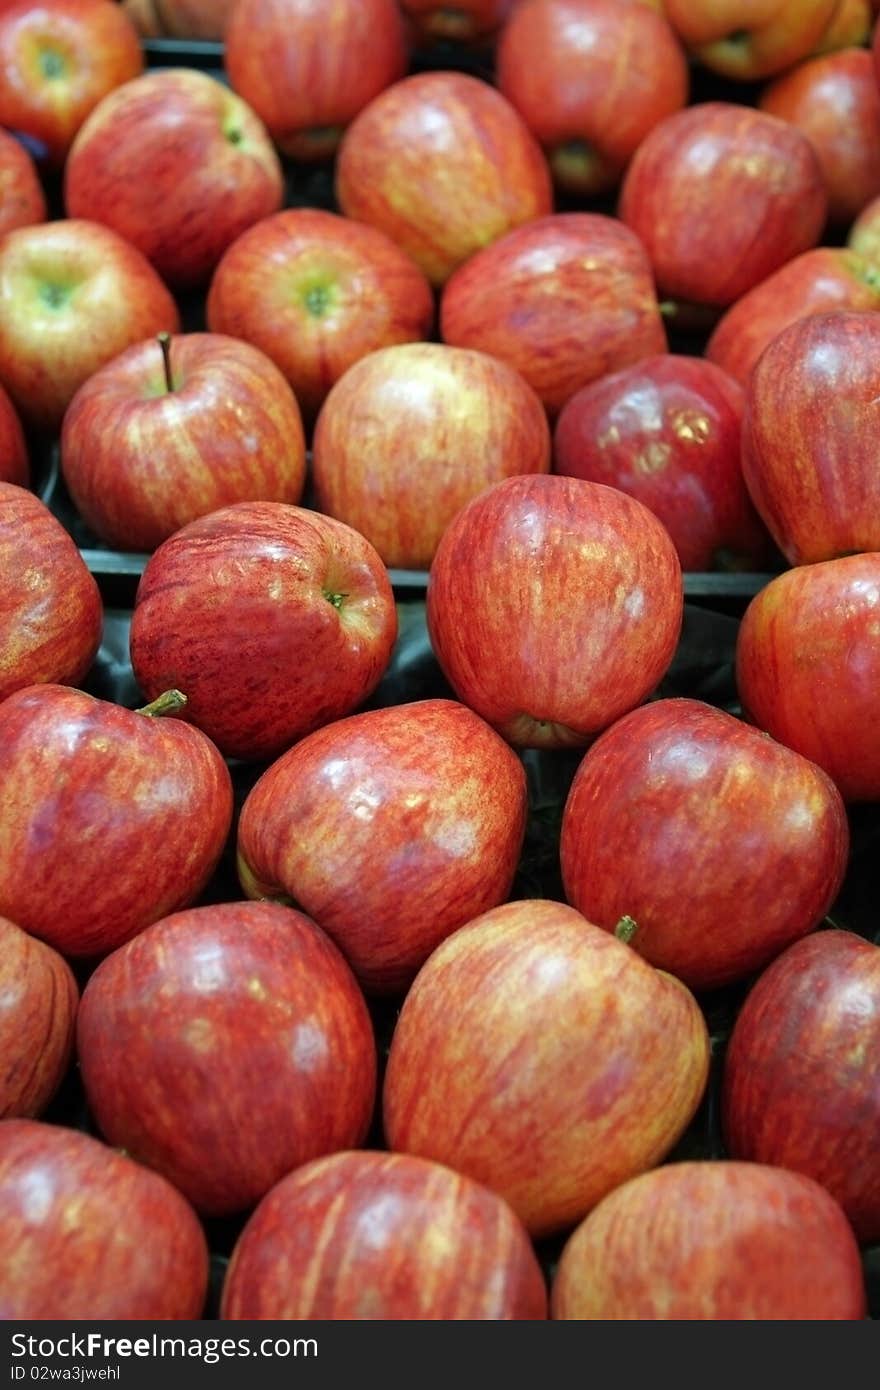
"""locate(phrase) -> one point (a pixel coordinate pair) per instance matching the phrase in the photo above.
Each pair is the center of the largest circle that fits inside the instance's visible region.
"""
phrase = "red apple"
(251, 1043)
(74, 294)
(377, 1236)
(684, 820)
(441, 163)
(290, 625)
(411, 433)
(590, 78)
(391, 828)
(316, 292)
(808, 667)
(564, 300)
(57, 60)
(750, 41)
(722, 195)
(809, 457)
(864, 234)
(826, 278)
(456, 21)
(540, 1056)
(307, 67)
(38, 1001)
(179, 19)
(22, 200)
(713, 1242)
(51, 614)
(88, 1235)
(149, 443)
(14, 464)
(667, 431)
(109, 818)
(802, 1071)
(179, 166)
(553, 607)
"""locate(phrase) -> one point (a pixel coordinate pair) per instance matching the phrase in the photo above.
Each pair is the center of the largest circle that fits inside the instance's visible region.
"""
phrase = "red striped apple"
(22, 200)
(14, 461)
(38, 1002)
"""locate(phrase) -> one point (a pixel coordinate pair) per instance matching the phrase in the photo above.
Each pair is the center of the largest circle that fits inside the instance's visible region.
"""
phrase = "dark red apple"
(38, 1001)
(542, 1057)
(390, 828)
(411, 433)
(272, 619)
(667, 431)
(14, 462)
(808, 667)
(88, 1235)
(554, 606)
(250, 1041)
(802, 1071)
(753, 40)
(109, 818)
(719, 845)
(378, 1236)
(22, 200)
(712, 1242)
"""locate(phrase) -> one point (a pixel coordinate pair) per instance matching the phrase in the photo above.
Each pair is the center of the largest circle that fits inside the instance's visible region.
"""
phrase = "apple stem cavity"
(626, 929)
(165, 344)
(336, 600)
(169, 702)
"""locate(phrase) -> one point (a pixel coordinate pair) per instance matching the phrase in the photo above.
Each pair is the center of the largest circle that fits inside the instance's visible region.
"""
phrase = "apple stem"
(169, 702)
(165, 344)
(626, 929)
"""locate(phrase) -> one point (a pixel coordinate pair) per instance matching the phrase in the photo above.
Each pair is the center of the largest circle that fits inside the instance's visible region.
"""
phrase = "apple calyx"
(52, 63)
(578, 167)
(626, 929)
(336, 600)
(169, 702)
(449, 22)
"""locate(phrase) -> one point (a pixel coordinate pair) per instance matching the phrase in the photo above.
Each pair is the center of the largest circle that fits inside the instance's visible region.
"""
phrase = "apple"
(179, 19)
(456, 21)
(808, 667)
(290, 625)
(316, 292)
(667, 431)
(73, 294)
(14, 462)
(817, 281)
(683, 819)
(542, 1057)
(38, 1002)
(57, 60)
(22, 200)
(179, 166)
(88, 1235)
(443, 164)
(173, 429)
(382, 1237)
(252, 1046)
(51, 613)
(747, 42)
(849, 27)
(714, 1242)
(722, 195)
(554, 606)
(808, 457)
(564, 300)
(411, 433)
(802, 1076)
(590, 78)
(391, 828)
(864, 234)
(835, 101)
(307, 67)
(110, 818)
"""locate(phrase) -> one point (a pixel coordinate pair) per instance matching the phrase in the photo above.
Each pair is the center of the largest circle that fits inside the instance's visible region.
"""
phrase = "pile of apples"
(414, 1092)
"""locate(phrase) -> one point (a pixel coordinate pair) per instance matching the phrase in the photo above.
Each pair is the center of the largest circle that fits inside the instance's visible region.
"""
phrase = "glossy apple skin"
(379, 1236)
(57, 60)
(816, 282)
(38, 1002)
(748, 43)
(51, 614)
(411, 433)
(542, 1057)
(679, 817)
(274, 620)
(712, 1241)
(252, 1043)
(722, 195)
(307, 67)
(391, 828)
(554, 606)
(667, 432)
(109, 818)
(802, 1076)
(316, 292)
(73, 295)
(564, 300)
(179, 166)
(22, 200)
(808, 455)
(808, 667)
(560, 63)
(107, 1239)
(179, 19)
(441, 163)
(14, 461)
(141, 461)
